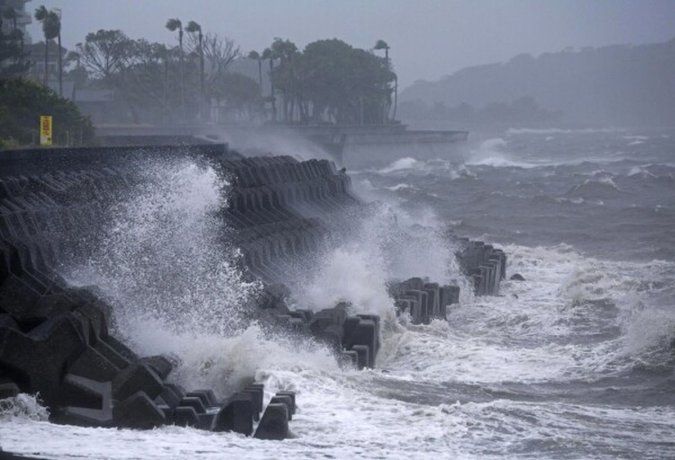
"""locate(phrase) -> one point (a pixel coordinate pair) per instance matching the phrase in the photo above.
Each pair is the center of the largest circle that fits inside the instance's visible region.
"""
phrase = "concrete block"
(274, 423)
(363, 355)
(236, 415)
(286, 400)
(86, 416)
(290, 394)
(207, 397)
(136, 377)
(160, 364)
(194, 402)
(185, 416)
(138, 411)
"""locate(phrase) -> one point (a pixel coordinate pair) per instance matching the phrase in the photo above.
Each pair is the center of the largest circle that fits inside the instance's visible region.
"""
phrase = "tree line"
(329, 81)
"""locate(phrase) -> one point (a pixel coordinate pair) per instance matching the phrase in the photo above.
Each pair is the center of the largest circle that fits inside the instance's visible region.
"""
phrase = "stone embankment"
(60, 341)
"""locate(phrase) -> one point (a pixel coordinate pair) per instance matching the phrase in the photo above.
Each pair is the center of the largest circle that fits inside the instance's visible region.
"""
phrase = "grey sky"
(428, 38)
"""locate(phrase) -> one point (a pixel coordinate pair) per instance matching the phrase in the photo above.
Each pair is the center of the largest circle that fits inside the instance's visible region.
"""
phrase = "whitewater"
(577, 361)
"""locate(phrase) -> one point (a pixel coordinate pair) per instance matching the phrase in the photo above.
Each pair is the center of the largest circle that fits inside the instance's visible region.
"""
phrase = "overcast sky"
(428, 38)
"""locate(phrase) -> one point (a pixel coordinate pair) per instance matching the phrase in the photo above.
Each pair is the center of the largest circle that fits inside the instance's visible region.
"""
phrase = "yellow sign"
(45, 130)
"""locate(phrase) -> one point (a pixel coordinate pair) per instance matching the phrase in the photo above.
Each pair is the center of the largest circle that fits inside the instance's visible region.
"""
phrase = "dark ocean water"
(580, 358)
(608, 193)
(577, 361)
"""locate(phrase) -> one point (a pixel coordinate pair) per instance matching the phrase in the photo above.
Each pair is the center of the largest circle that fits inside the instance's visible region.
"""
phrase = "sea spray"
(384, 245)
(23, 406)
(168, 267)
(163, 254)
(226, 363)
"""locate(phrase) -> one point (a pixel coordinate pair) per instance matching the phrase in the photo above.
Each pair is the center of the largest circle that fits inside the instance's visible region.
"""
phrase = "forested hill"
(619, 84)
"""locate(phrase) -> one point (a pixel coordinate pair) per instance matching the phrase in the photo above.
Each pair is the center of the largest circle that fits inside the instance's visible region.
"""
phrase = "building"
(21, 18)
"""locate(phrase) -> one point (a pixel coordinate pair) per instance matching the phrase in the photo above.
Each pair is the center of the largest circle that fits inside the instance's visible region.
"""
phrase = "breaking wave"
(23, 406)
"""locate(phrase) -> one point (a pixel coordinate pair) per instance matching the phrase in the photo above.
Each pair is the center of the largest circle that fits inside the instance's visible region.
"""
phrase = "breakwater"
(56, 339)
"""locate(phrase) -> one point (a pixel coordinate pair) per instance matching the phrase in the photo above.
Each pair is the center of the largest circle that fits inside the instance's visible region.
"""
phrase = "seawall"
(56, 339)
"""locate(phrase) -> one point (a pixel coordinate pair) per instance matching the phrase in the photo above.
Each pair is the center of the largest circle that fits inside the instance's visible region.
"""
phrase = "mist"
(429, 39)
(337, 228)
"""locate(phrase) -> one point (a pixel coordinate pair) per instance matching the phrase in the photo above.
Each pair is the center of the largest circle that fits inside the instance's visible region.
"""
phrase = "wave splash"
(163, 255)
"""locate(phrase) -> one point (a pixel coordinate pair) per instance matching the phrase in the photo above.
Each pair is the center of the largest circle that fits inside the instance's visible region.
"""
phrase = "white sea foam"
(563, 130)
(641, 171)
(493, 152)
(478, 385)
(402, 164)
(22, 406)
(415, 405)
(401, 186)
(388, 244)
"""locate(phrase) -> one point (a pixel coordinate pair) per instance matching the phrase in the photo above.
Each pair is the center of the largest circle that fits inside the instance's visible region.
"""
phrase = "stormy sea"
(576, 361)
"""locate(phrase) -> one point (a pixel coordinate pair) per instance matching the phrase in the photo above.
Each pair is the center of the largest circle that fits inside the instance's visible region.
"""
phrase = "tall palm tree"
(193, 28)
(50, 28)
(268, 54)
(57, 17)
(173, 25)
(256, 56)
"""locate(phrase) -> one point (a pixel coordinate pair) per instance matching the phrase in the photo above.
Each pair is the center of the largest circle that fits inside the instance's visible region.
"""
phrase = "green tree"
(51, 28)
(21, 104)
(16, 34)
(13, 62)
(332, 80)
(255, 56)
(241, 95)
(105, 53)
(77, 74)
(195, 29)
(285, 75)
(59, 51)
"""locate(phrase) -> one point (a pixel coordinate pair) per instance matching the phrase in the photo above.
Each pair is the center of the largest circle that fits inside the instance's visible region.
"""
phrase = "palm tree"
(57, 17)
(173, 25)
(267, 54)
(50, 28)
(256, 56)
(193, 28)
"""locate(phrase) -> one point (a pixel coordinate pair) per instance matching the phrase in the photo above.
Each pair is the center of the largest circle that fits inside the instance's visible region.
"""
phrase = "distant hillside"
(619, 84)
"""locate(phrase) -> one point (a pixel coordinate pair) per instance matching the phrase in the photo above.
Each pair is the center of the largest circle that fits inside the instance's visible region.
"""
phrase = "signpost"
(45, 130)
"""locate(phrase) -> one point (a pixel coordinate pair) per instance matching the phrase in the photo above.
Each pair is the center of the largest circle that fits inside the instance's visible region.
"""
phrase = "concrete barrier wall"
(54, 339)
(484, 264)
